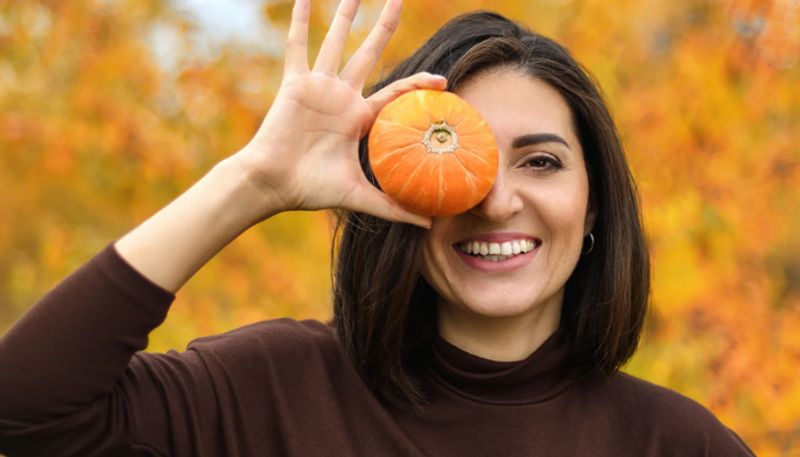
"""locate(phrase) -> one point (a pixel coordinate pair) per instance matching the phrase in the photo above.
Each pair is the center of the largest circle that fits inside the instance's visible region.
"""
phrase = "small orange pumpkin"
(433, 153)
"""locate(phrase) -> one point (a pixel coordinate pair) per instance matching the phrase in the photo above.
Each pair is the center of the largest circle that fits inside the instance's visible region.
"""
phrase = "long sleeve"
(61, 364)
(74, 381)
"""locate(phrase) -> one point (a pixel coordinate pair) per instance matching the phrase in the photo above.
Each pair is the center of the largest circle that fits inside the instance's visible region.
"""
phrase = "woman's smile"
(497, 252)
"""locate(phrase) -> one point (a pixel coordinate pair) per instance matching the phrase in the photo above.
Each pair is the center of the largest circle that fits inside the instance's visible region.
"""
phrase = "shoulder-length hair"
(384, 310)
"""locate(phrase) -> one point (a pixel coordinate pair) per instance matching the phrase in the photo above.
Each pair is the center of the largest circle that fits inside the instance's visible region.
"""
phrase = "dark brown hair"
(384, 311)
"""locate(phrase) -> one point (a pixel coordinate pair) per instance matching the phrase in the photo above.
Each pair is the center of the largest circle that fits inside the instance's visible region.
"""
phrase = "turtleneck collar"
(541, 376)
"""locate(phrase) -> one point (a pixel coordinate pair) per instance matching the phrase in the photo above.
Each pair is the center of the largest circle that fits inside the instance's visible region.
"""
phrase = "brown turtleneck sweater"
(72, 383)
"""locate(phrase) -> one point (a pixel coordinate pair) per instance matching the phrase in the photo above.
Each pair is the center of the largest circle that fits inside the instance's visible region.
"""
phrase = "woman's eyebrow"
(537, 138)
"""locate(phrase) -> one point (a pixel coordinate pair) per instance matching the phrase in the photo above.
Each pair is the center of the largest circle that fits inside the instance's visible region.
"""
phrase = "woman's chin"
(496, 308)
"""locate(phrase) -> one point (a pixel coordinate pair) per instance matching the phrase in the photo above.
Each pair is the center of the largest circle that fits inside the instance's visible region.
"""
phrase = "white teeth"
(526, 246)
(497, 251)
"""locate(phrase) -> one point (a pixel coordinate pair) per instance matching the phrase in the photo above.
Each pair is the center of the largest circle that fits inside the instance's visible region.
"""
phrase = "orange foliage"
(95, 136)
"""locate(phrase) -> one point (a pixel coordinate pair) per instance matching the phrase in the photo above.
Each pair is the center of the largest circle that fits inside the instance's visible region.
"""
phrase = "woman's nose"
(502, 201)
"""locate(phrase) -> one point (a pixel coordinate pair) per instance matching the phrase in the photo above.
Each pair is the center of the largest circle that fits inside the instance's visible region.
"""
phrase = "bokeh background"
(110, 108)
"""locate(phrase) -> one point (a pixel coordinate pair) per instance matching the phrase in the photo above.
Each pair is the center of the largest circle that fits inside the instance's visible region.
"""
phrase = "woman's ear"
(591, 215)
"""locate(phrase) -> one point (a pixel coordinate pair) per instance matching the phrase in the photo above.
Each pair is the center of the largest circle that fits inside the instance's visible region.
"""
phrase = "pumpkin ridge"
(396, 124)
(389, 174)
(471, 132)
(476, 155)
(412, 175)
(381, 132)
(455, 125)
(393, 153)
(460, 121)
(467, 172)
(469, 175)
(440, 194)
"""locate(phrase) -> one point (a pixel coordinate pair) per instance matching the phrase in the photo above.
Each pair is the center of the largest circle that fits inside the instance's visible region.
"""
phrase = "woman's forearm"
(170, 246)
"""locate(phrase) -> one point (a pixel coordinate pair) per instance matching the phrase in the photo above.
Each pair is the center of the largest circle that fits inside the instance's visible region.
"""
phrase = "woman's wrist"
(246, 201)
(170, 246)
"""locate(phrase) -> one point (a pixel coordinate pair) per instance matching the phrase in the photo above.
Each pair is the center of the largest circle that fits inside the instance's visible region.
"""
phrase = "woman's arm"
(62, 366)
(303, 157)
(170, 246)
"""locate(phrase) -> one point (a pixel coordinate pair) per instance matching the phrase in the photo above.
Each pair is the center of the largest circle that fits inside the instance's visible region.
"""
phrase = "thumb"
(422, 80)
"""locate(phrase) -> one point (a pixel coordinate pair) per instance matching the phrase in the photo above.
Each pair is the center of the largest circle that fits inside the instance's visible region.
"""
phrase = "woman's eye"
(543, 163)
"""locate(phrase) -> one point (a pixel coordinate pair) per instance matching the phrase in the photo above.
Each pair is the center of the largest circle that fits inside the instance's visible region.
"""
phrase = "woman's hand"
(305, 154)
(303, 157)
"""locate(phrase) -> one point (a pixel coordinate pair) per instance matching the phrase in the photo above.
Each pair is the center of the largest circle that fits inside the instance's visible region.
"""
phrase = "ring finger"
(366, 57)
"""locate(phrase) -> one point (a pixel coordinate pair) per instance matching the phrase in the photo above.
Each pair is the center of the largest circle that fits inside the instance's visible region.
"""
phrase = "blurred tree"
(96, 135)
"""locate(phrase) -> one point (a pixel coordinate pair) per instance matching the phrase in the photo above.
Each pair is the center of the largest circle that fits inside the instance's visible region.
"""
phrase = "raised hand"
(303, 157)
(305, 154)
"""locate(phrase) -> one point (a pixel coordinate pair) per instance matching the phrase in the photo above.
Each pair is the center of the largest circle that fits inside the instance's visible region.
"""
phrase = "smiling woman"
(496, 331)
(503, 308)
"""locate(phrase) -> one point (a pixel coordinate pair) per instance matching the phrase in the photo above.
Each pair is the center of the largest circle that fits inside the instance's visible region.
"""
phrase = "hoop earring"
(591, 244)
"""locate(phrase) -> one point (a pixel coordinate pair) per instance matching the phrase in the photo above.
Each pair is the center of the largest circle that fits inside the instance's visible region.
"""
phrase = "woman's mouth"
(497, 256)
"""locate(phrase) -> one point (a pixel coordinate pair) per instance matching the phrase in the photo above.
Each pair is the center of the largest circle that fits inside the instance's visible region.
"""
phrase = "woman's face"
(535, 215)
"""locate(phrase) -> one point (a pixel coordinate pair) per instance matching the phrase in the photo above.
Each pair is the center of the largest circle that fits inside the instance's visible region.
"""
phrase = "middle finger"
(330, 54)
(366, 57)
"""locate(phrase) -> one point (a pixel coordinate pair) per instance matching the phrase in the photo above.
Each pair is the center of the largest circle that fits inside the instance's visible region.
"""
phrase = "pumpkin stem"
(440, 138)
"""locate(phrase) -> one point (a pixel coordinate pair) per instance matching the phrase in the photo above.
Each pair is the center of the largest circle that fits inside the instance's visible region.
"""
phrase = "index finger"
(360, 65)
(297, 41)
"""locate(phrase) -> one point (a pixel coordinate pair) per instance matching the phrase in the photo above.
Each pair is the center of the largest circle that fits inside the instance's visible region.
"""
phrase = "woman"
(498, 331)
